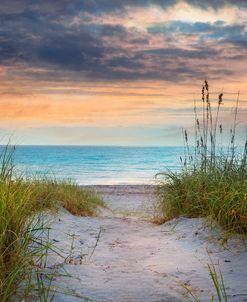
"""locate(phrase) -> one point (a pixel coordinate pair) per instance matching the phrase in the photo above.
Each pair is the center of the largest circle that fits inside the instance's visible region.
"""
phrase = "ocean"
(97, 165)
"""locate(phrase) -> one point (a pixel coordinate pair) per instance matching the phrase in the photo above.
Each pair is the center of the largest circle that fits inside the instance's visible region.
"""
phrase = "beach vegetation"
(218, 282)
(24, 236)
(212, 181)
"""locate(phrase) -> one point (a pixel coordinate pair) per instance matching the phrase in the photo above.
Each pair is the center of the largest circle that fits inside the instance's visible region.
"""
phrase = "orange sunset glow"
(116, 72)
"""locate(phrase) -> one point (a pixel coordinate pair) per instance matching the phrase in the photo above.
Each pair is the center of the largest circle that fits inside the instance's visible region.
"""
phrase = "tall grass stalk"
(23, 249)
(218, 285)
(213, 179)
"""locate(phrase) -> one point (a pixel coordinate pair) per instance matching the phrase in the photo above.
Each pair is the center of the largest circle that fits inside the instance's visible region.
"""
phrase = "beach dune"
(121, 256)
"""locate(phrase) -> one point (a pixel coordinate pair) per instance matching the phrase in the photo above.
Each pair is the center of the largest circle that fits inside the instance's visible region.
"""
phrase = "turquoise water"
(98, 165)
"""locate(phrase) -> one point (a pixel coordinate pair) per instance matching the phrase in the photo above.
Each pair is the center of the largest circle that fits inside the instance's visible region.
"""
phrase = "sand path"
(121, 257)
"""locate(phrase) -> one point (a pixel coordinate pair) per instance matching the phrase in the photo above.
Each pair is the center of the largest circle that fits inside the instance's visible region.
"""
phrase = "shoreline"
(126, 200)
(133, 188)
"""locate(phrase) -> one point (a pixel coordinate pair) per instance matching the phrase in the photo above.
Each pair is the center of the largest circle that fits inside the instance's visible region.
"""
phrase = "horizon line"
(77, 145)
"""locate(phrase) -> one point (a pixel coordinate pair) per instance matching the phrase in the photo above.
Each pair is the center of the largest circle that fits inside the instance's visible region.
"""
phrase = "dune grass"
(218, 283)
(213, 179)
(22, 245)
(50, 194)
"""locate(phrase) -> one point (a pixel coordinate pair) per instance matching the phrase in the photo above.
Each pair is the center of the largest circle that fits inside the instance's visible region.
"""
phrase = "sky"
(114, 72)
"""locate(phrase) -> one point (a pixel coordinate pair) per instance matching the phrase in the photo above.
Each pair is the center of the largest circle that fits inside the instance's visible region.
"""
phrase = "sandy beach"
(120, 256)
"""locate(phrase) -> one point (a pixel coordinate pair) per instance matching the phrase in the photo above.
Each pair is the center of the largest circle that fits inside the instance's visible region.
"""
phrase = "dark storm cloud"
(91, 6)
(42, 43)
(104, 30)
(100, 6)
(182, 53)
(38, 34)
(125, 62)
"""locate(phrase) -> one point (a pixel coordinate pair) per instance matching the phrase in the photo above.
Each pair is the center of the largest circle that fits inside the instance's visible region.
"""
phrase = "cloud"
(13, 7)
(71, 7)
(49, 37)
(216, 4)
(215, 31)
(182, 53)
(102, 6)
(180, 27)
(111, 63)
